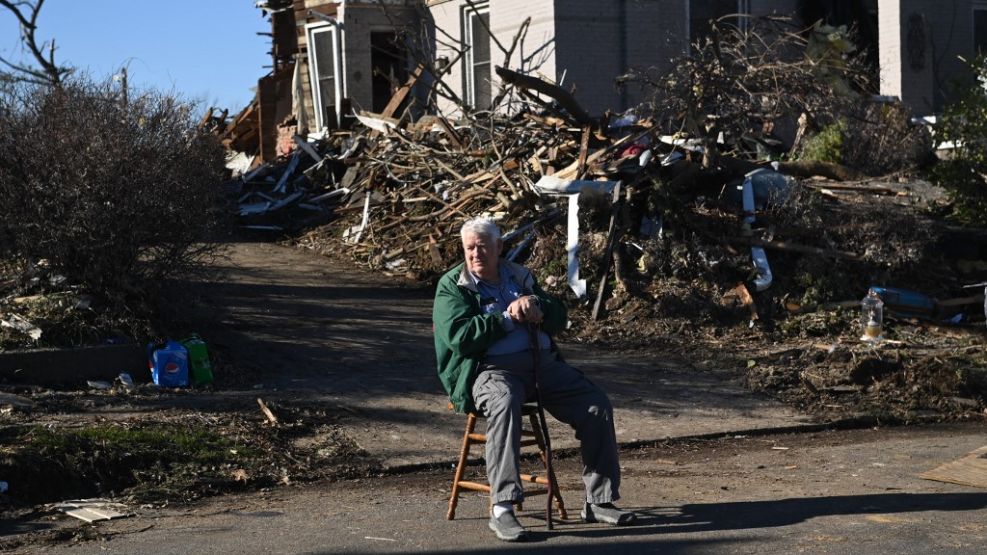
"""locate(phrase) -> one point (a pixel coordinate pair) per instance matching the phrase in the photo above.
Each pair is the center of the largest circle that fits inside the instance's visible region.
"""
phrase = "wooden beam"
(583, 148)
(794, 247)
(402, 93)
(613, 232)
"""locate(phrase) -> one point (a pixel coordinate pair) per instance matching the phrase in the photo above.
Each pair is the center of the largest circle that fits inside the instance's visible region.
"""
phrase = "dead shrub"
(876, 139)
(115, 194)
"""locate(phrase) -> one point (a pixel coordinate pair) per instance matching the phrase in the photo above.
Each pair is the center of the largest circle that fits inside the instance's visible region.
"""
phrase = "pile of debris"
(40, 307)
(289, 197)
(693, 236)
(404, 188)
(394, 193)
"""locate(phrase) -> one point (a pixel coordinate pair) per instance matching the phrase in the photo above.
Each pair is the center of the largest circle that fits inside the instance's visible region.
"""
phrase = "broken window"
(389, 59)
(476, 35)
(324, 66)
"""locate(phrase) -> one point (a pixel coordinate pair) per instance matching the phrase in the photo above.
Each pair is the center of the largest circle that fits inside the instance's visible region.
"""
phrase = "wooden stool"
(534, 437)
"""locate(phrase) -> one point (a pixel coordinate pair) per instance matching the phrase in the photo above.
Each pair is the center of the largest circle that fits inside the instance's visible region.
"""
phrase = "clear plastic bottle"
(872, 317)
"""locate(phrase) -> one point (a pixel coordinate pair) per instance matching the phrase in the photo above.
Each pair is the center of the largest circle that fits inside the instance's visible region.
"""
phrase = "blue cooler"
(168, 362)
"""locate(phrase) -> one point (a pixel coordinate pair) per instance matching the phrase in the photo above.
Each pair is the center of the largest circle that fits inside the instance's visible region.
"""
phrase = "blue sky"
(205, 50)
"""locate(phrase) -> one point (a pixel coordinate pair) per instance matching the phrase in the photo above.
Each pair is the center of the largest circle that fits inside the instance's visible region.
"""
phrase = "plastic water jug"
(200, 367)
(168, 362)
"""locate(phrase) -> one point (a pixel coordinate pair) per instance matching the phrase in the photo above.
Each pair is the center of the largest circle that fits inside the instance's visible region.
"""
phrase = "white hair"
(481, 226)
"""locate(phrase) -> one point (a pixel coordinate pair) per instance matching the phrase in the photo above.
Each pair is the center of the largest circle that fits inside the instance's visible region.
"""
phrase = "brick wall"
(446, 19)
(890, 46)
(535, 52)
(773, 7)
(657, 34)
(600, 40)
(360, 20)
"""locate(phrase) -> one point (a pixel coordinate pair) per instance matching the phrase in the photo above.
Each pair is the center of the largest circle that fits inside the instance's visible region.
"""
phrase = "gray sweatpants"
(506, 382)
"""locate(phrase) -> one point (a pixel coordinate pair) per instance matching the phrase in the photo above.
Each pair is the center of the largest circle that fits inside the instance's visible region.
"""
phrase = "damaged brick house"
(328, 59)
(331, 59)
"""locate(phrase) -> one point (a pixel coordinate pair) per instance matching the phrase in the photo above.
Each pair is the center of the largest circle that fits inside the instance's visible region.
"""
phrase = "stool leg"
(464, 452)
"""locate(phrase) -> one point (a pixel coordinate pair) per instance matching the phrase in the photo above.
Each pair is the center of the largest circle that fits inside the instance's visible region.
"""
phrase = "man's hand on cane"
(526, 309)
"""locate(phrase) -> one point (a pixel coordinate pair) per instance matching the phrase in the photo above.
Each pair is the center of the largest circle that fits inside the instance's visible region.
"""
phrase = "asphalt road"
(834, 492)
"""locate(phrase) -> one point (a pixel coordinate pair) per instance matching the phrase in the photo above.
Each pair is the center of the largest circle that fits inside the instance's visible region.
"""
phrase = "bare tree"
(47, 72)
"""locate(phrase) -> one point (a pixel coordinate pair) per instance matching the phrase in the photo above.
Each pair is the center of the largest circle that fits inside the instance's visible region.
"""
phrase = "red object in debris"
(286, 142)
(633, 150)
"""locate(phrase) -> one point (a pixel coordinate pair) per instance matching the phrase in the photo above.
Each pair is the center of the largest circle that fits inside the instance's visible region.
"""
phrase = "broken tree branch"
(51, 73)
(562, 96)
(267, 412)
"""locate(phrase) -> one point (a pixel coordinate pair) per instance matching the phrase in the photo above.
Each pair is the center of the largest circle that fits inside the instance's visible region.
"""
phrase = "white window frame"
(339, 84)
(468, 14)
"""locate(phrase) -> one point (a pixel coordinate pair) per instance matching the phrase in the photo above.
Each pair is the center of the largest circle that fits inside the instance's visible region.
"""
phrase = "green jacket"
(463, 332)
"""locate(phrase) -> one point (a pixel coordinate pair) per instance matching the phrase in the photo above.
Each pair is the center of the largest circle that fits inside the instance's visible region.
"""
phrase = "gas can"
(168, 362)
(198, 357)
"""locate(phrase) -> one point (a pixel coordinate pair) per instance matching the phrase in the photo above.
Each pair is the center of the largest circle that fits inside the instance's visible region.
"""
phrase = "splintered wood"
(410, 186)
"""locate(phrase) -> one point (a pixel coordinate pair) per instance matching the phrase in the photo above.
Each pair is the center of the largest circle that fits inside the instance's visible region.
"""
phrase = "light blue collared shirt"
(496, 298)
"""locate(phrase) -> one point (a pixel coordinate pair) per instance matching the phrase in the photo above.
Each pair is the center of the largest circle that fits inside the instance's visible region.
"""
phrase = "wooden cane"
(533, 335)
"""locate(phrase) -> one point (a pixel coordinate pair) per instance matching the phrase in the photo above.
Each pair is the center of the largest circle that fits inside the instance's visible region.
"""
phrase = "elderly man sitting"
(482, 313)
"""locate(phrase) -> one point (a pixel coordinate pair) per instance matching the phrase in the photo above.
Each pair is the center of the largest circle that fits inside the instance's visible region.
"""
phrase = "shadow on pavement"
(613, 547)
(744, 515)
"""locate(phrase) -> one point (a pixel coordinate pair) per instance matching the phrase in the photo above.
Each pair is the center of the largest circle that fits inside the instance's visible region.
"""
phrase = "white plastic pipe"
(764, 277)
(748, 198)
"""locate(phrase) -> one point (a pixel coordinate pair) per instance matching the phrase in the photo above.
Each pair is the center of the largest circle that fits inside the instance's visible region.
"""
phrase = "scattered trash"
(905, 303)
(98, 384)
(200, 366)
(10, 403)
(909, 304)
(93, 510)
(168, 362)
(871, 316)
(22, 325)
(126, 381)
